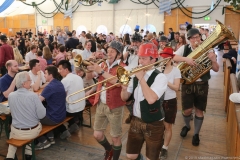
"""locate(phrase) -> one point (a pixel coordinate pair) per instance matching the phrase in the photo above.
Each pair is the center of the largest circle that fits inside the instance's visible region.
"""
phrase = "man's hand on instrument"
(140, 75)
(190, 61)
(212, 56)
(94, 67)
(124, 87)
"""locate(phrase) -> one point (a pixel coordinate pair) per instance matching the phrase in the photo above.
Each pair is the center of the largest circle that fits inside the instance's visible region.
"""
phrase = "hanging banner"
(68, 9)
(165, 6)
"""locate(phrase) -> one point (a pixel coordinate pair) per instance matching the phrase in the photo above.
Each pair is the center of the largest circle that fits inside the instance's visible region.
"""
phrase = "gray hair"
(21, 78)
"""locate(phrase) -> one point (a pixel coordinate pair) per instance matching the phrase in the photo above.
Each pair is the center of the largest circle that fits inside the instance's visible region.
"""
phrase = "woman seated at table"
(47, 55)
(18, 57)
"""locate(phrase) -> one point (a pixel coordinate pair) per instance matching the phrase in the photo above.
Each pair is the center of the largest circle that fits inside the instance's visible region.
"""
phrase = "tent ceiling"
(18, 7)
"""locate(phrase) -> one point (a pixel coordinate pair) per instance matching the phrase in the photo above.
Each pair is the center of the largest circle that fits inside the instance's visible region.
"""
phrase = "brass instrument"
(191, 73)
(79, 62)
(123, 77)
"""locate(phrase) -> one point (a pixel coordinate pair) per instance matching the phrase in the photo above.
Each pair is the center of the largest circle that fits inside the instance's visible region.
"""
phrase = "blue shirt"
(49, 61)
(55, 96)
(5, 82)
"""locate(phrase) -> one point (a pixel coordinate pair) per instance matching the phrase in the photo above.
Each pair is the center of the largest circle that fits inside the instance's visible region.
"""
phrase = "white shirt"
(159, 86)
(29, 56)
(132, 61)
(34, 78)
(82, 40)
(86, 54)
(73, 83)
(77, 51)
(174, 74)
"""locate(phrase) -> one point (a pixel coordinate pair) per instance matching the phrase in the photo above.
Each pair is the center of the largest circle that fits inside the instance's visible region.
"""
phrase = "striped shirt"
(26, 108)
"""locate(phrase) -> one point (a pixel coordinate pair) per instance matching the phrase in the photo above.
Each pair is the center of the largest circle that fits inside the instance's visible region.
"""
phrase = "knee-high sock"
(187, 120)
(106, 144)
(116, 152)
(197, 124)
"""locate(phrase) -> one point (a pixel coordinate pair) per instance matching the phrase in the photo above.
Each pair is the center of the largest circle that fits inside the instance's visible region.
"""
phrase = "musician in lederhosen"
(195, 95)
(109, 103)
(147, 87)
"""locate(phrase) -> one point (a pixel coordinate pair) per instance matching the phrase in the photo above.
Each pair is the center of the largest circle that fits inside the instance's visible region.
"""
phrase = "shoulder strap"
(149, 81)
(187, 50)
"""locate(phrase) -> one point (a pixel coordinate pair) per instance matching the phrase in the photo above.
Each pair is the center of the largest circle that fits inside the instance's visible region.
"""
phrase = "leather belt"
(201, 82)
(27, 128)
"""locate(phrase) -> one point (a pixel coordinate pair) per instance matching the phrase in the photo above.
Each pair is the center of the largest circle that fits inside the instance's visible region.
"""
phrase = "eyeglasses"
(196, 37)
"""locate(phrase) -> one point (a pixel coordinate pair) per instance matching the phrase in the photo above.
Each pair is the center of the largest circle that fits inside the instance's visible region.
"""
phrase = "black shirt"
(71, 43)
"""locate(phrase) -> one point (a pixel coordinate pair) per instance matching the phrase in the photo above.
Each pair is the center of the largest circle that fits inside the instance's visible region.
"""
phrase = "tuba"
(203, 64)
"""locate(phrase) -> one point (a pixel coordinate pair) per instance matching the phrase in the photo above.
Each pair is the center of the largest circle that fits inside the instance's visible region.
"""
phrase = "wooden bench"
(87, 110)
(23, 143)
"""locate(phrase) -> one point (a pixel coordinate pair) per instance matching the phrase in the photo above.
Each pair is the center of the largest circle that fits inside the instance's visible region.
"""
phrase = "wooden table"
(6, 118)
(23, 68)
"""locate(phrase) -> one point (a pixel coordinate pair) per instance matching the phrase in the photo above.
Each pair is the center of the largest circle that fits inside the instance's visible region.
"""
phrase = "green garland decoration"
(181, 4)
(234, 3)
(32, 2)
(200, 16)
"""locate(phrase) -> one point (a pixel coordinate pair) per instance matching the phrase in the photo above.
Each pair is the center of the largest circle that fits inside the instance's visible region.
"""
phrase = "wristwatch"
(101, 73)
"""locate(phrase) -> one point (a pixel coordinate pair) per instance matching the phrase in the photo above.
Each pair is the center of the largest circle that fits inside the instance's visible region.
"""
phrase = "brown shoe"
(128, 120)
(108, 155)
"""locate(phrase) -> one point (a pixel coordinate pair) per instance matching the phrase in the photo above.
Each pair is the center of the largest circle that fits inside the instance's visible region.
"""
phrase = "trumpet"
(79, 62)
(123, 77)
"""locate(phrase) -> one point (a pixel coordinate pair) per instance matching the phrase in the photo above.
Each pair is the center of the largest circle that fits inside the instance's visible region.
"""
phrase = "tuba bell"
(203, 64)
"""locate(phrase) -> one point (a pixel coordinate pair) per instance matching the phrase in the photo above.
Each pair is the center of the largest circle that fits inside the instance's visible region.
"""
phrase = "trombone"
(79, 62)
(123, 77)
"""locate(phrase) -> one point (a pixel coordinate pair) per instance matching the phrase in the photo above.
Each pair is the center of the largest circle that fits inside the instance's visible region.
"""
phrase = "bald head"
(10, 63)
(149, 36)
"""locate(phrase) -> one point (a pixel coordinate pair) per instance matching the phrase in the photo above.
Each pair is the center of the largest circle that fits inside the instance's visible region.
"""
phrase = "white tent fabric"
(18, 7)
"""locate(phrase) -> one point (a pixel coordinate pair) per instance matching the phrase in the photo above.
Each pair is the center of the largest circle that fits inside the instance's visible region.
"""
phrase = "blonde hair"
(17, 56)
(69, 52)
(47, 54)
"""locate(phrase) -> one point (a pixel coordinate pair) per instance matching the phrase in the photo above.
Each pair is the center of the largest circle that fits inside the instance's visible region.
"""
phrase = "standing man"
(30, 34)
(171, 35)
(51, 36)
(174, 42)
(61, 38)
(21, 44)
(87, 50)
(6, 53)
(40, 41)
(130, 56)
(7, 84)
(48, 44)
(109, 103)
(82, 38)
(71, 42)
(195, 95)
(147, 88)
(26, 112)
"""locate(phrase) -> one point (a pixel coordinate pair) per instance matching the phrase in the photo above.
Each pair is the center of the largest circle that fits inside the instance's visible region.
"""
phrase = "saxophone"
(203, 64)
